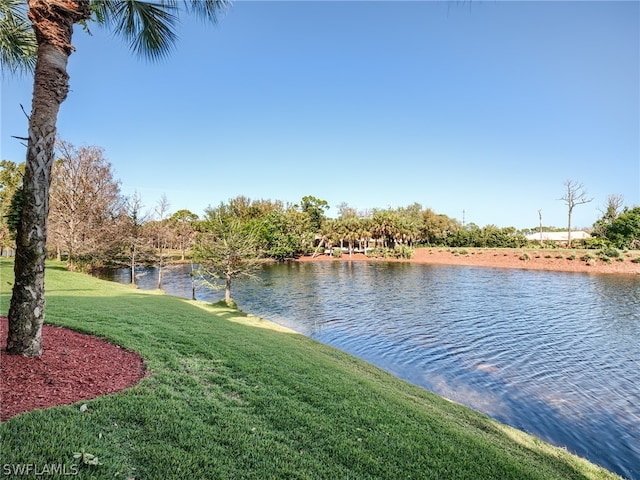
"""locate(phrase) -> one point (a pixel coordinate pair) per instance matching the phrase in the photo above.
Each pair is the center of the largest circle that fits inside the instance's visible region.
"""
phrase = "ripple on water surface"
(554, 354)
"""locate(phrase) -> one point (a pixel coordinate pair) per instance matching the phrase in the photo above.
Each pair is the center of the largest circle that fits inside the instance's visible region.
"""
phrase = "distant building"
(559, 237)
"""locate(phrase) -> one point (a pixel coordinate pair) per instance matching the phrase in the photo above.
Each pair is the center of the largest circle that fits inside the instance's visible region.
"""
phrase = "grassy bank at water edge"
(233, 396)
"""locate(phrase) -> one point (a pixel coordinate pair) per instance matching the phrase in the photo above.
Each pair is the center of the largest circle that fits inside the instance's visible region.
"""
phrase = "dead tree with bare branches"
(576, 194)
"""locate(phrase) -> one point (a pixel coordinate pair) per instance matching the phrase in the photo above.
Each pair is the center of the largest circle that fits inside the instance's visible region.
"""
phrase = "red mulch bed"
(73, 367)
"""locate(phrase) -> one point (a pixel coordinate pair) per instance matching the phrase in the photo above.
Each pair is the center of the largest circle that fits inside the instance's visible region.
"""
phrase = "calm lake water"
(554, 354)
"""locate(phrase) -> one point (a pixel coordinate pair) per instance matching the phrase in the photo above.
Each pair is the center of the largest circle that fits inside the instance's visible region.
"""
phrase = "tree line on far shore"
(92, 225)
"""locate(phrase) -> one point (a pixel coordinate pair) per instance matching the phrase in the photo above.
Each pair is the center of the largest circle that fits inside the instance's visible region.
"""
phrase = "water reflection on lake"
(554, 354)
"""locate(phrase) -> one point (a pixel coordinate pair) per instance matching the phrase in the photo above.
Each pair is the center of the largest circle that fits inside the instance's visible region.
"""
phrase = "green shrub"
(337, 252)
(586, 257)
(573, 256)
(403, 251)
(593, 243)
(548, 255)
(560, 256)
(635, 260)
(379, 252)
(525, 256)
(610, 252)
(223, 304)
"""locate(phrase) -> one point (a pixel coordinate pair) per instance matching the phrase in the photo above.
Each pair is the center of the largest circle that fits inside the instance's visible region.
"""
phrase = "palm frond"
(150, 26)
(18, 44)
(207, 9)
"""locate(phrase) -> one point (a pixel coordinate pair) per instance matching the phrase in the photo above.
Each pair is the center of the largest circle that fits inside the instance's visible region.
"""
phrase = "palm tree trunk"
(315, 252)
(53, 23)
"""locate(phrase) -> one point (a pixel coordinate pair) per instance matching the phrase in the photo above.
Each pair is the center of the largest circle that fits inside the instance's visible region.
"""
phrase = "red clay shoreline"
(505, 258)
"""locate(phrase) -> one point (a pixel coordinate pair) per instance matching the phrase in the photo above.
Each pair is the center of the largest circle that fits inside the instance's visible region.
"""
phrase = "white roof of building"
(558, 236)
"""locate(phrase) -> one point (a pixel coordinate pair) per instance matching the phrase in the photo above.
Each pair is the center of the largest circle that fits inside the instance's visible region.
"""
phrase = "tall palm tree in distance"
(150, 29)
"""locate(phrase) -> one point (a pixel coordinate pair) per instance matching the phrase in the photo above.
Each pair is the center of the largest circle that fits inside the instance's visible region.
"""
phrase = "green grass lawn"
(233, 396)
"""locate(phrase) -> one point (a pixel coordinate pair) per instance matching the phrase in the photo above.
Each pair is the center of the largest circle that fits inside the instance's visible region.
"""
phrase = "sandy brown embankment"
(552, 260)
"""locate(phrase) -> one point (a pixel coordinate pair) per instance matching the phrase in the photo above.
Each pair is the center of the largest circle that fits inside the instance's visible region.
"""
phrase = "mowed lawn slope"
(233, 396)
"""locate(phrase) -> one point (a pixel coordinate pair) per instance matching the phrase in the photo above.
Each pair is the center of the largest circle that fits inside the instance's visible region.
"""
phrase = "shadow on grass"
(56, 266)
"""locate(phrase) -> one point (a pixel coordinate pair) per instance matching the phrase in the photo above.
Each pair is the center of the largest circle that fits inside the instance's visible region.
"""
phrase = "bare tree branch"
(25, 112)
(612, 207)
(576, 194)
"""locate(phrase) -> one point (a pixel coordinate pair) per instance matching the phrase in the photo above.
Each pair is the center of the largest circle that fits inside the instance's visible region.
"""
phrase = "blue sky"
(481, 107)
